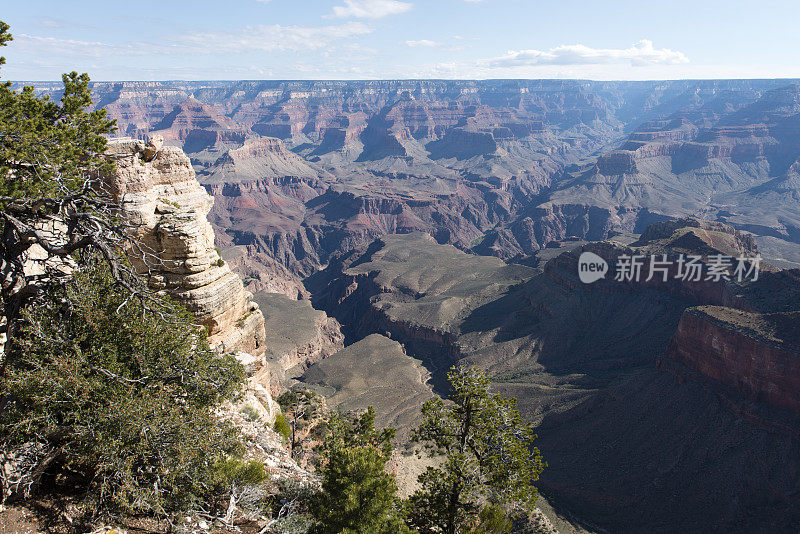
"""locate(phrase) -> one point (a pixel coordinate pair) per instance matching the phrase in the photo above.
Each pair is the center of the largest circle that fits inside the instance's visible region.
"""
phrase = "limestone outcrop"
(157, 189)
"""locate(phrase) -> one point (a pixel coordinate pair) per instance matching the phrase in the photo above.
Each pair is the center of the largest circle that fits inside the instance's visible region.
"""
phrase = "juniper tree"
(52, 195)
(301, 413)
(488, 459)
(358, 495)
(119, 400)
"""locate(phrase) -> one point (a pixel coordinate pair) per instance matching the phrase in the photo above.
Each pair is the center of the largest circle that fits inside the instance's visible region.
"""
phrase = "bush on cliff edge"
(120, 401)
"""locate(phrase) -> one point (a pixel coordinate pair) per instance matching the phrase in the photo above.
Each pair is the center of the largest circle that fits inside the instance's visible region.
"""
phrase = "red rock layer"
(710, 342)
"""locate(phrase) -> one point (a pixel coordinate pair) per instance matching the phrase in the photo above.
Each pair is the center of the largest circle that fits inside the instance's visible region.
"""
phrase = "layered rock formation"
(157, 189)
(295, 226)
(264, 158)
(726, 158)
(191, 117)
(501, 166)
(756, 354)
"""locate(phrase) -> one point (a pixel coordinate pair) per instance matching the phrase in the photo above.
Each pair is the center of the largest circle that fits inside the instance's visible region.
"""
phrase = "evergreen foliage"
(121, 398)
(358, 495)
(282, 427)
(302, 410)
(105, 386)
(488, 459)
(51, 195)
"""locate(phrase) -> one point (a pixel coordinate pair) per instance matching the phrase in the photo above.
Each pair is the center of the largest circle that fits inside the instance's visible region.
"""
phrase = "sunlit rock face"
(157, 189)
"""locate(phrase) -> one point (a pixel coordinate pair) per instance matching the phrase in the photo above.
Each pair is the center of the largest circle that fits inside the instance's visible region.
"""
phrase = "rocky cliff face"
(286, 228)
(157, 189)
(726, 159)
(583, 362)
(755, 354)
(264, 158)
(189, 117)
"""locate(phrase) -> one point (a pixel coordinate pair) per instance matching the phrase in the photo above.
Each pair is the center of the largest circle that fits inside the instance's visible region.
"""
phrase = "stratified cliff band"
(157, 189)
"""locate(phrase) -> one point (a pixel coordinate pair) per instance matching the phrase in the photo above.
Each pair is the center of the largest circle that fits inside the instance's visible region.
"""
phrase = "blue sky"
(367, 39)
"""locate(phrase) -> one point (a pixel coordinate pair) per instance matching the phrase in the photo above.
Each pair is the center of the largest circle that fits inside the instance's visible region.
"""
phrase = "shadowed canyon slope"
(724, 159)
(643, 428)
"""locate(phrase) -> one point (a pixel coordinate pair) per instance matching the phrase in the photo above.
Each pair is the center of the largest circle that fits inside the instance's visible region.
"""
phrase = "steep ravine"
(349, 300)
(280, 230)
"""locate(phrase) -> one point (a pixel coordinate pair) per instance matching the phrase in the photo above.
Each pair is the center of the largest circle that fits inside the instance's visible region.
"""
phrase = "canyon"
(647, 419)
(392, 229)
(305, 170)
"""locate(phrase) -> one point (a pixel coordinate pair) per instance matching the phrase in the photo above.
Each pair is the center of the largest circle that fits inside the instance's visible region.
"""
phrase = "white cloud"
(427, 43)
(49, 46)
(228, 55)
(267, 38)
(263, 38)
(640, 54)
(370, 9)
(424, 43)
(61, 24)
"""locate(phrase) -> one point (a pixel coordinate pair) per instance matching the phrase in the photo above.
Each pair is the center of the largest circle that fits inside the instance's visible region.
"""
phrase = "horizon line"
(362, 80)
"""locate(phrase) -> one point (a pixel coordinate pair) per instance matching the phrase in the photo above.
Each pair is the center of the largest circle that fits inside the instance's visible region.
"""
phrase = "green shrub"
(243, 319)
(116, 387)
(243, 473)
(250, 413)
(303, 409)
(126, 398)
(282, 427)
(493, 520)
(358, 495)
